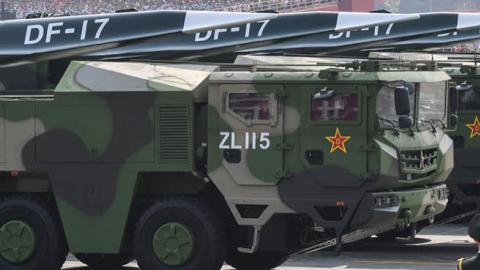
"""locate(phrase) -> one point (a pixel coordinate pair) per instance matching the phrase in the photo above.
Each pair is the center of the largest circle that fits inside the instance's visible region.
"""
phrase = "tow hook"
(407, 216)
(430, 211)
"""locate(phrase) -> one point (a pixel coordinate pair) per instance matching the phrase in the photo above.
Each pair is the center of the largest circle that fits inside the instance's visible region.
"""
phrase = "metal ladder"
(345, 239)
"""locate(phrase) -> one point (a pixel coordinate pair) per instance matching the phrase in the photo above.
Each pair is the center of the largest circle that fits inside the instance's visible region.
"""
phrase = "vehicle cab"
(350, 149)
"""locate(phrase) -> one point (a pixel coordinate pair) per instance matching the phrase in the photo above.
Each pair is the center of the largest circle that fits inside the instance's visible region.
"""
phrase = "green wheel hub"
(173, 244)
(17, 241)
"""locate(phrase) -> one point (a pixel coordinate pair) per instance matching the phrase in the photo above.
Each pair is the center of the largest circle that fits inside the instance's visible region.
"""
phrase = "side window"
(253, 108)
(339, 107)
(469, 100)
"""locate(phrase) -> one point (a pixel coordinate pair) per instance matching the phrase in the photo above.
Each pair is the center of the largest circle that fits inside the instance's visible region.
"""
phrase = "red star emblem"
(475, 128)
(338, 141)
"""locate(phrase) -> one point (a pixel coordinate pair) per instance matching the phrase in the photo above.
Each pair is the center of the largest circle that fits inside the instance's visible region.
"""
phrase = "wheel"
(390, 236)
(179, 233)
(104, 261)
(256, 261)
(31, 238)
(408, 234)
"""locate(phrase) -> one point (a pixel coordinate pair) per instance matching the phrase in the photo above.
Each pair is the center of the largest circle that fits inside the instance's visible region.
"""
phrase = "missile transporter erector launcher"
(185, 166)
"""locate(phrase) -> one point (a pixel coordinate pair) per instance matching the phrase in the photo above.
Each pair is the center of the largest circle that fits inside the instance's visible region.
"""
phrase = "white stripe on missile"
(196, 21)
(355, 20)
(468, 20)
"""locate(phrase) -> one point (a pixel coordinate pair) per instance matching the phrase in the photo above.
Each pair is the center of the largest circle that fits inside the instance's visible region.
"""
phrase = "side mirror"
(453, 122)
(402, 101)
(453, 99)
(464, 87)
(405, 122)
(325, 93)
(453, 104)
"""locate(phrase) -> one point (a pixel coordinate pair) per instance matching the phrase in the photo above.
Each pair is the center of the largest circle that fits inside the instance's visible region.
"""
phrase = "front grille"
(418, 164)
(386, 200)
(419, 159)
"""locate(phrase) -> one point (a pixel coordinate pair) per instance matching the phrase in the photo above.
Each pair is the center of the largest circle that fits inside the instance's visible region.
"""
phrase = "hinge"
(284, 146)
(280, 93)
(370, 175)
(369, 147)
(280, 174)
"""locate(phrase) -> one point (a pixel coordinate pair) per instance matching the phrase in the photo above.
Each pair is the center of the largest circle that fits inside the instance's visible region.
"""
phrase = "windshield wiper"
(440, 121)
(431, 123)
(392, 127)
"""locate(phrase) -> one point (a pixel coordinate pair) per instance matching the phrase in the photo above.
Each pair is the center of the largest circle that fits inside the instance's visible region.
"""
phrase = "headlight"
(386, 200)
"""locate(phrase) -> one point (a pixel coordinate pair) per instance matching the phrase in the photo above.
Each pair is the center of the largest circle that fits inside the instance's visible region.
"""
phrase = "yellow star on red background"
(338, 141)
(475, 128)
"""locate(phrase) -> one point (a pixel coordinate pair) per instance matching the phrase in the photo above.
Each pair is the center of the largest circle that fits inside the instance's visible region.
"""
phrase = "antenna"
(476, 56)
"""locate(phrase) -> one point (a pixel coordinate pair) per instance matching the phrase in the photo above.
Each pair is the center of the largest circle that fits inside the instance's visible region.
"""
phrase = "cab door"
(334, 129)
(463, 180)
(248, 132)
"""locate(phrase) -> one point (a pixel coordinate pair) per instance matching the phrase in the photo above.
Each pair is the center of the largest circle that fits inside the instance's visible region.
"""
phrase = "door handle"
(314, 157)
(232, 155)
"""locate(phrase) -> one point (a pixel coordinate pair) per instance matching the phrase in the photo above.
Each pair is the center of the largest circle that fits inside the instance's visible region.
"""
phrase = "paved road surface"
(436, 248)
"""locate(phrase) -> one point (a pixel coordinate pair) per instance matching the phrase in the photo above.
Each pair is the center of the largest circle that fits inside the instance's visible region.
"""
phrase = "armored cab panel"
(279, 139)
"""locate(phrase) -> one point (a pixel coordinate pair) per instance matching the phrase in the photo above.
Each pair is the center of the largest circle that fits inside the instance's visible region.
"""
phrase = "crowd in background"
(74, 7)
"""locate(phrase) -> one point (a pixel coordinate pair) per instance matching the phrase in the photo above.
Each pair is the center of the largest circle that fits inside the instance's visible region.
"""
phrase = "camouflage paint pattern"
(107, 124)
(289, 184)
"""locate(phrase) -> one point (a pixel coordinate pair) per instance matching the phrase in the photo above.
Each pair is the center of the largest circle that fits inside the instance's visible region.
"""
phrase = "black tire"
(256, 261)
(390, 236)
(408, 234)
(209, 240)
(50, 249)
(104, 261)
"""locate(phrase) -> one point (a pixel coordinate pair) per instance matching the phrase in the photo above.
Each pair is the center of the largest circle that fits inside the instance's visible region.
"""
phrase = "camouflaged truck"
(465, 179)
(187, 166)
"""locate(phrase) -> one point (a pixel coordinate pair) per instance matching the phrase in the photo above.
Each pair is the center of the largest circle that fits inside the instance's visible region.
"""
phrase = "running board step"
(346, 238)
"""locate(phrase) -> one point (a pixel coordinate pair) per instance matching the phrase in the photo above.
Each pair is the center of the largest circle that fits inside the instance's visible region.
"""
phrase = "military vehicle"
(464, 182)
(188, 165)
(184, 166)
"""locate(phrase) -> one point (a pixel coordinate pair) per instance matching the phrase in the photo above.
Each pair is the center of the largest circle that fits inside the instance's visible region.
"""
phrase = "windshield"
(386, 103)
(433, 102)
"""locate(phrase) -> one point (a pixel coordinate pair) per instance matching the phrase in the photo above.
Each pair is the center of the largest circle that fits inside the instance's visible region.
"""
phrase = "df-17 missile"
(265, 32)
(436, 28)
(58, 37)
(431, 41)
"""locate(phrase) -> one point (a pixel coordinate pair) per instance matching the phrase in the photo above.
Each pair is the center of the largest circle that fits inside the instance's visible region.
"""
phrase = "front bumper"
(402, 208)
